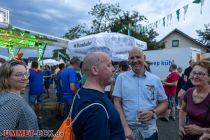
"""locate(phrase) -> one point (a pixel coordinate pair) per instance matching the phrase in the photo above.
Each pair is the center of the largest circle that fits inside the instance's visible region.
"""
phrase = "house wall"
(183, 42)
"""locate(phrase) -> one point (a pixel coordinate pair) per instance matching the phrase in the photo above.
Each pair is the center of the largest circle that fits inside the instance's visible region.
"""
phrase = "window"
(175, 43)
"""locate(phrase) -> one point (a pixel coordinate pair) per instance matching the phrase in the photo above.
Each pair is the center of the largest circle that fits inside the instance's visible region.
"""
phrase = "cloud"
(47, 16)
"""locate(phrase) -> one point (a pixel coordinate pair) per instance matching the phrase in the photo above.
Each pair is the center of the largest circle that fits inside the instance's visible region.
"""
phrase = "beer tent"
(116, 45)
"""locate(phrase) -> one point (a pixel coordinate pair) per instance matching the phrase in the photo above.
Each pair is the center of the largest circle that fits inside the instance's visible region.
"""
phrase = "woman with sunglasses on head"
(15, 113)
(194, 115)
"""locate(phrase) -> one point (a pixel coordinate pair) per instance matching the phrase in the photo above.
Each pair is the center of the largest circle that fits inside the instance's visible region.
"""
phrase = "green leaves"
(204, 35)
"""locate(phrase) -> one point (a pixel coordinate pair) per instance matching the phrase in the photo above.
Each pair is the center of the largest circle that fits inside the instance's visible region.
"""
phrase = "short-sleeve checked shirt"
(139, 92)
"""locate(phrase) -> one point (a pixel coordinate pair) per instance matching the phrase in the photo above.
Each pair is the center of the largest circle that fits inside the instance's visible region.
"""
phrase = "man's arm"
(172, 84)
(185, 77)
(118, 105)
(181, 93)
(161, 107)
(73, 80)
(147, 115)
(161, 99)
(184, 88)
(73, 88)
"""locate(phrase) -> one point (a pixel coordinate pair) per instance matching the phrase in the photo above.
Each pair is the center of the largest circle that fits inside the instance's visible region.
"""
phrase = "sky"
(57, 17)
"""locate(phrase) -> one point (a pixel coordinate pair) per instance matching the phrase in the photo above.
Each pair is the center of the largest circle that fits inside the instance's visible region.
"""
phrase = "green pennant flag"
(139, 28)
(129, 29)
(156, 22)
(197, 1)
(164, 22)
(177, 14)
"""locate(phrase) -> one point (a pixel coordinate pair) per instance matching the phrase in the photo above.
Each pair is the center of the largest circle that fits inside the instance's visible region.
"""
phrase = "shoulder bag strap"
(70, 111)
(87, 108)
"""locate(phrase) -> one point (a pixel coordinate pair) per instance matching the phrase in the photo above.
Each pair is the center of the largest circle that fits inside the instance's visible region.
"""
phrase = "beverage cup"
(137, 117)
(140, 112)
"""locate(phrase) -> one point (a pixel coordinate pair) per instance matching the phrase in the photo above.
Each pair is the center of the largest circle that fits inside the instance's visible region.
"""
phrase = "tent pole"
(11, 51)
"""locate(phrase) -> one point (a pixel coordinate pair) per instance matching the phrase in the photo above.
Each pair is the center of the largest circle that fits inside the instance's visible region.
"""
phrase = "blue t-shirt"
(68, 76)
(48, 79)
(93, 123)
(58, 85)
(35, 82)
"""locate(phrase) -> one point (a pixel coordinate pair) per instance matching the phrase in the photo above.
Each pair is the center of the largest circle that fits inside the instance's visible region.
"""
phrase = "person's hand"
(129, 134)
(205, 136)
(145, 116)
(193, 129)
(181, 131)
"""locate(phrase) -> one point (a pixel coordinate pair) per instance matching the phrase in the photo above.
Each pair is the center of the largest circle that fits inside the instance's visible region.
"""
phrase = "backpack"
(66, 129)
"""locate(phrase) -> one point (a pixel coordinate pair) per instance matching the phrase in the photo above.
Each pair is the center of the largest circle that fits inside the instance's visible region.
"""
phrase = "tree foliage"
(204, 35)
(76, 32)
(60, 53)
(127, 24)
(109, 17)
(104, 14)
(125, 21)
(149, 37)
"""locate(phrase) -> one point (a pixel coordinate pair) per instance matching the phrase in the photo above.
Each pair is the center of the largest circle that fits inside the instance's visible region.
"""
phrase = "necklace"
(14, 93)
(199, 96)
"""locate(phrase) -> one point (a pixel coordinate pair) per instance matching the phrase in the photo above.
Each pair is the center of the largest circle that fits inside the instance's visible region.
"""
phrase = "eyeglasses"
(21, 75)
(199, 74)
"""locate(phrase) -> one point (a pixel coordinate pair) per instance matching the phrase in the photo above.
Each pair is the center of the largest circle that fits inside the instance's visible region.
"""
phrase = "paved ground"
(167, 130)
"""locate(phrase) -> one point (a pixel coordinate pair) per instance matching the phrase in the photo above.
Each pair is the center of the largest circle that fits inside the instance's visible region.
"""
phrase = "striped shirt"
(16, 114)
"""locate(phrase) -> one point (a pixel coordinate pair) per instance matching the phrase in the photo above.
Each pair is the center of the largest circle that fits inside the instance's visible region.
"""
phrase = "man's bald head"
(92, 59)
(135, 50)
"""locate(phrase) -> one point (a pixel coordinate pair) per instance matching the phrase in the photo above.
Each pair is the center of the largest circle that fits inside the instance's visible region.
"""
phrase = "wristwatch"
(153, 111)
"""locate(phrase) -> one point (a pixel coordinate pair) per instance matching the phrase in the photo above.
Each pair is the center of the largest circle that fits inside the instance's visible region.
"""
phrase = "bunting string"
(166, 21)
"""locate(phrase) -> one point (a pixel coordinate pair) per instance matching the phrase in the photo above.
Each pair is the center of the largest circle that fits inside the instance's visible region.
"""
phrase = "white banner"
(4, 16)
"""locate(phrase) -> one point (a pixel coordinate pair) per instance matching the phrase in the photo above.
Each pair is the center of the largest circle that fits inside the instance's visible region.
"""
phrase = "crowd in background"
(134, 97)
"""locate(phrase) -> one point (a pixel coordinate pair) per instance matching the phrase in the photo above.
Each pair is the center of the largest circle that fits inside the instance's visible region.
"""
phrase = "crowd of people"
(128, 110)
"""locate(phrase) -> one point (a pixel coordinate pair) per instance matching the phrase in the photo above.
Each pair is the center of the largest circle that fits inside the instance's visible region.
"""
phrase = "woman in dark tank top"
(194, 115)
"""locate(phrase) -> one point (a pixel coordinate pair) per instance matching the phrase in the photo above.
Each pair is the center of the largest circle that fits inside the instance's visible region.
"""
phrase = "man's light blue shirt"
(139, 92)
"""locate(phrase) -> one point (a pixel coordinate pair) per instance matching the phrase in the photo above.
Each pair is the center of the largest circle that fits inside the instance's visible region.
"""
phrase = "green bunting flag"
(156, 23)
(165, 20)
(185, 10)
(202, 2)
(177, 14)
(197, 1)
(164, 23)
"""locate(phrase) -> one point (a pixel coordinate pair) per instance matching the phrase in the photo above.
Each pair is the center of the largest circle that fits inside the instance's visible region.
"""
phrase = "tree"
(128, 23)
(107, 18)
(61, 53)
(152, 44)
(76, 32)
(103, 14)
(204, 35)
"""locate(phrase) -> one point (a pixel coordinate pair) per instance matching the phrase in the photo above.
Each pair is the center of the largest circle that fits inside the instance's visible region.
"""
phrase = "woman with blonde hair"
(15, 113)
(194, 115)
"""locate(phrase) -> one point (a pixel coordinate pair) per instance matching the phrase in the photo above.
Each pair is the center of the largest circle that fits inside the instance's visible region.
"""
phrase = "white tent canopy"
(4, 57)
(114, 44)
(50, 62)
